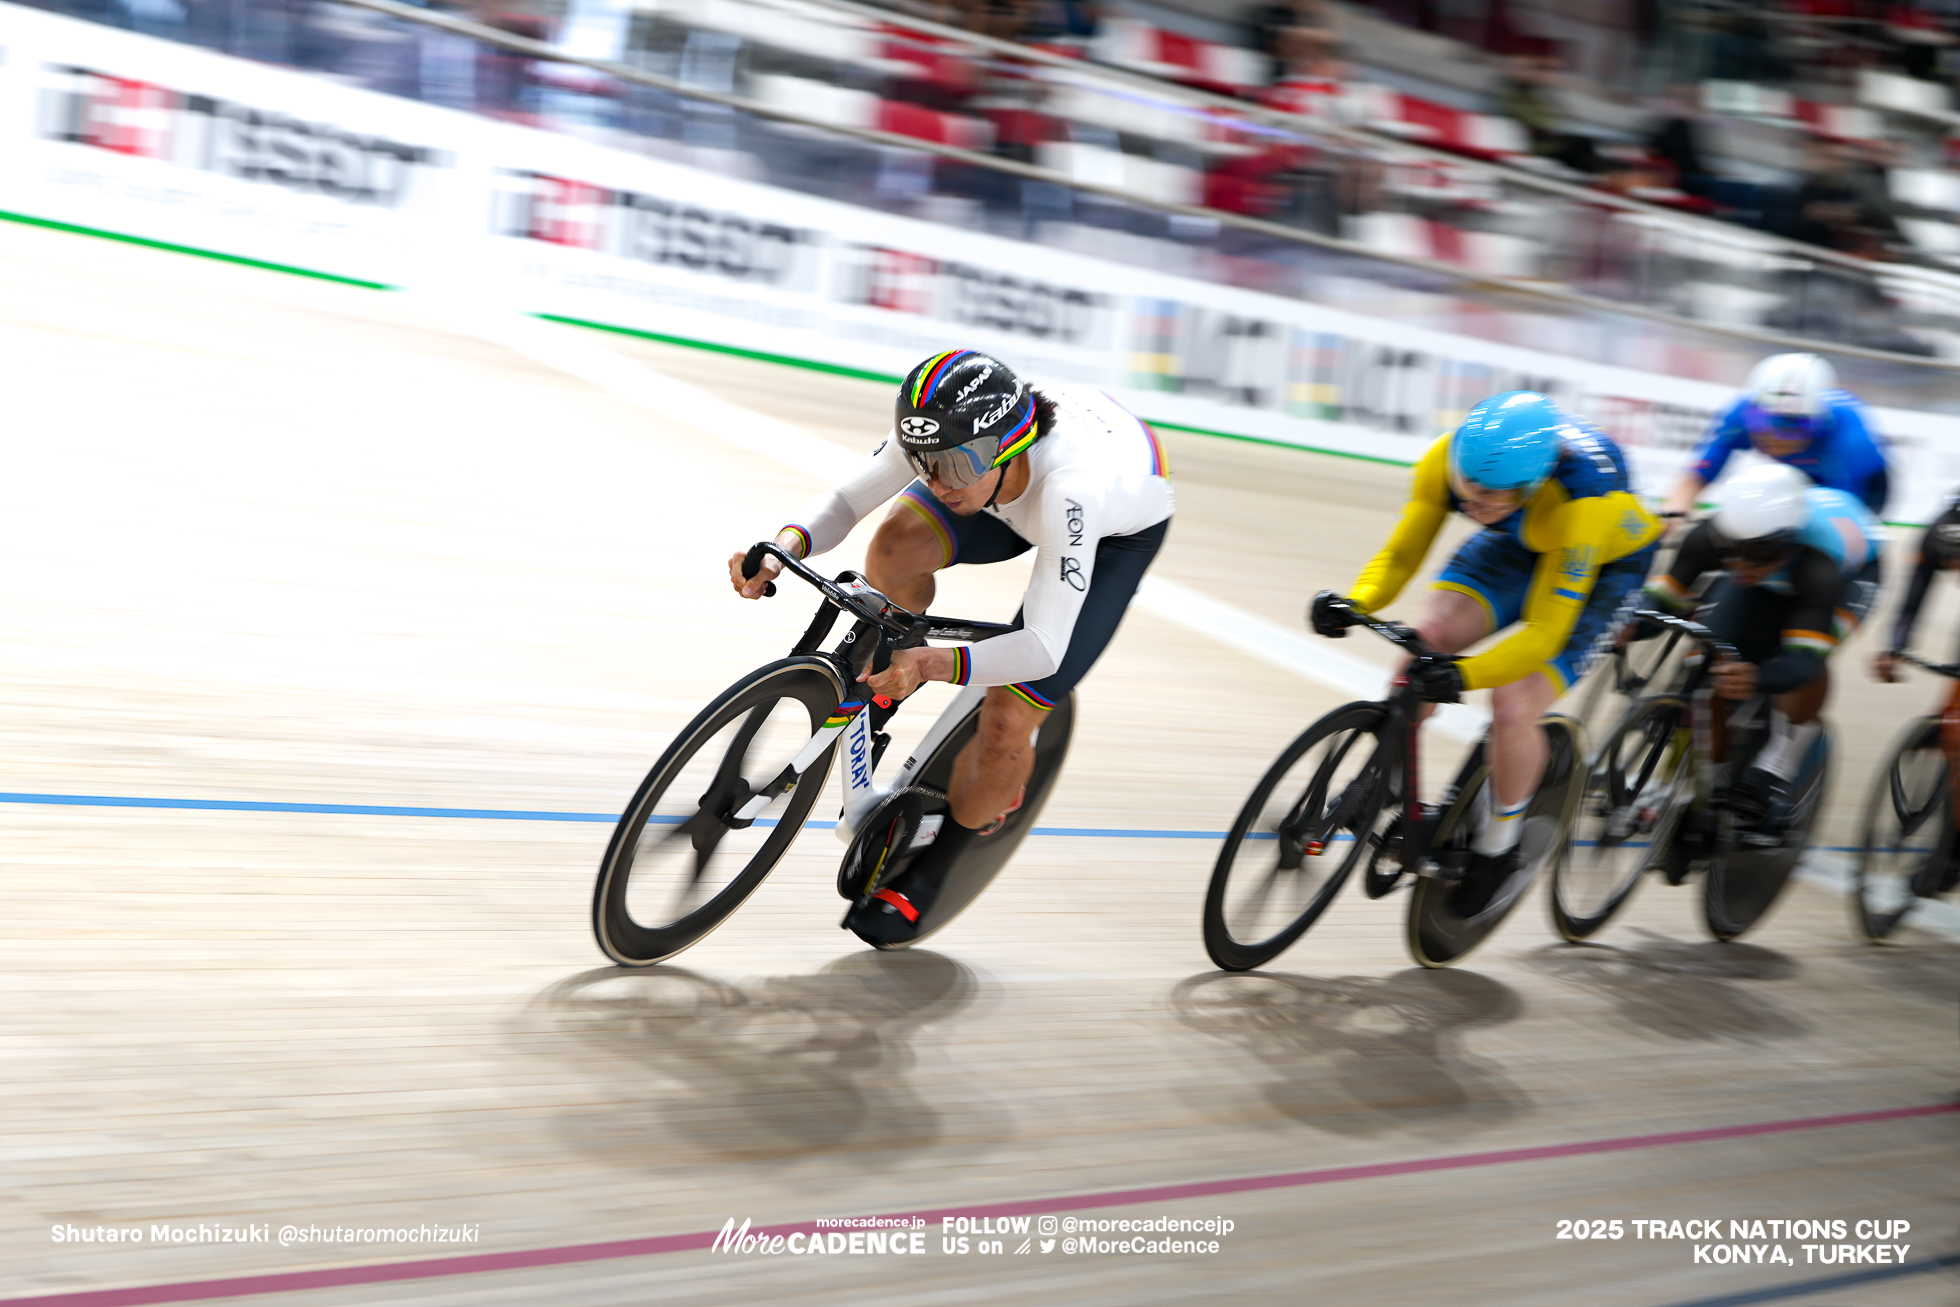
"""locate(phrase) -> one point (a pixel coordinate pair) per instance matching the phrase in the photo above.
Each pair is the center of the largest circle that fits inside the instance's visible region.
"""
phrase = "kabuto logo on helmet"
(918, 428)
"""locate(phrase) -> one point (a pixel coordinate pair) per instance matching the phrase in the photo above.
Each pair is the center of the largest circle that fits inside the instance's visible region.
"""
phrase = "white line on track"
(1287, 649)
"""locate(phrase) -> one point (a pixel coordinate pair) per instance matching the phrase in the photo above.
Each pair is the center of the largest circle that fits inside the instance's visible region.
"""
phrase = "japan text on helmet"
(1510, 441)
(1788, 396)
(1763, 512)
(962, 414)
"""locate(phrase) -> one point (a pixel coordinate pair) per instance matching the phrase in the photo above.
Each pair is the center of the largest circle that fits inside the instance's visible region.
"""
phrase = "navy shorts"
(1120, 564)
(1494, 569)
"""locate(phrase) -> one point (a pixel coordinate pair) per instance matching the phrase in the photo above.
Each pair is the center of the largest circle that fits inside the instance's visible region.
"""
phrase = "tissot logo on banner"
(650, 229)
(973, 296)
(128, 116)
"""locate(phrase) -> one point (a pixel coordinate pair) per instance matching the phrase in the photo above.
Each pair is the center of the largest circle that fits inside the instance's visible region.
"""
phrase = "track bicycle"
(1347, 793)
(727, 798)
(1907, 838)
(1653, 802)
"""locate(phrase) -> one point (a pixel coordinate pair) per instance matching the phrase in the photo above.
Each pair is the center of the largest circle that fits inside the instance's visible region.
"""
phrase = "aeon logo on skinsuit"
(125, 115)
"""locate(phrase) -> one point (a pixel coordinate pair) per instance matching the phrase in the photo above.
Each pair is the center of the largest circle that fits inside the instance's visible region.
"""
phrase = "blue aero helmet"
(1509, 441)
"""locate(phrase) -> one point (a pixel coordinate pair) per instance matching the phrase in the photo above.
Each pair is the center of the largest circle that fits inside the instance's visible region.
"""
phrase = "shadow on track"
(1692, 990)
(1917, 964)
(1356, 1055)
(781, 1067)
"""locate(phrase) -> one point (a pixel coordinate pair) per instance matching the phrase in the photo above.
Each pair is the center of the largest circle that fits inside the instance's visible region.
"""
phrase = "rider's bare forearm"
(1686, 491)
(934, 664)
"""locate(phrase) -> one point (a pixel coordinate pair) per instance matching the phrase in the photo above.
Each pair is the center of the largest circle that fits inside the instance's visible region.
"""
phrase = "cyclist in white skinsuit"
(984, 468)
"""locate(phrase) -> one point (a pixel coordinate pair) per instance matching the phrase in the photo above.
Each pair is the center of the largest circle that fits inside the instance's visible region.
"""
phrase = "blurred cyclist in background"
(1792, 411)
(986, 467)
(1939, 550)
(1802, 569)
(1564, 549)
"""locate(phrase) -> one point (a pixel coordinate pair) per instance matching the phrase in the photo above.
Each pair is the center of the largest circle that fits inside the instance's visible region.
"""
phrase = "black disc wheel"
(1305, 827)
(984, 857)
(1752, 862)
(683, 857)
(1440, 934)
(1908, 831)
(1636, 791)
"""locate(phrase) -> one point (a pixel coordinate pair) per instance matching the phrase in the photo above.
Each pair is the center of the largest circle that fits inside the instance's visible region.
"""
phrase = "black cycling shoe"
(891, 916)
(1485, 875)
(1756, 796)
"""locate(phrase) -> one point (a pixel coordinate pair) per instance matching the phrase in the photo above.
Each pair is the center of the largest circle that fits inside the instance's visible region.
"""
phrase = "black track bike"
(1347, 794)
(1653, 803)
(1907, 836)
(724, 802)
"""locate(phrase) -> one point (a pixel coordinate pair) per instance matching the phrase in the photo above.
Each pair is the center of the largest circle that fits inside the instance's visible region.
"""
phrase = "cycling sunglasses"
(1783, 426)
(955, 468)
(1757, 553)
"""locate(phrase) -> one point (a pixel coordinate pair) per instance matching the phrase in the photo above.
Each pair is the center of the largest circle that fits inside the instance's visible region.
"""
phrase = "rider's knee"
(1522, 702)
(1006, 722)
(905, 544)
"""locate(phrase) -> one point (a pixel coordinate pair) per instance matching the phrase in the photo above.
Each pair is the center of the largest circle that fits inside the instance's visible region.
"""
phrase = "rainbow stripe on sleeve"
(803, 536)
(1160, 466)
(962, 664)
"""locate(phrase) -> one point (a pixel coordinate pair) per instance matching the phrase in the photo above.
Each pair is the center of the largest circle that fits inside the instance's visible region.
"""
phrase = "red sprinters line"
(438, 1267)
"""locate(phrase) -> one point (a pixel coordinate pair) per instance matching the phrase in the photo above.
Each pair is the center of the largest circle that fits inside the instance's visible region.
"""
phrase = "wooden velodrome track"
(270, 541)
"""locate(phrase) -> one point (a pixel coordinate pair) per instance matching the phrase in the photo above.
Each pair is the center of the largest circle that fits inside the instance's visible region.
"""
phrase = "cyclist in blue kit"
(1793, 412)
(1801, 570)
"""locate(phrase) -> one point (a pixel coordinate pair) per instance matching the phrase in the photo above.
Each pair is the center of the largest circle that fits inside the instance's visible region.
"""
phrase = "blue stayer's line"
(1828, 1285)
(252, 805)
(502, 814)
(519, 814)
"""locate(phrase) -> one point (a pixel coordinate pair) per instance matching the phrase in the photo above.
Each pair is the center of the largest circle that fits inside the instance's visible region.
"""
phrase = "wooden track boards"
(285, 542)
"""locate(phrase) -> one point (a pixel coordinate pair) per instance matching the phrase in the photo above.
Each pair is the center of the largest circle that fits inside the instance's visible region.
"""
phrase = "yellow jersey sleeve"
(1422, 517)
(1582, 535)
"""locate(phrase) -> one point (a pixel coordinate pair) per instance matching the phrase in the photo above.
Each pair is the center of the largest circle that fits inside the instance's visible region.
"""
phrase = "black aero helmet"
(962, 414)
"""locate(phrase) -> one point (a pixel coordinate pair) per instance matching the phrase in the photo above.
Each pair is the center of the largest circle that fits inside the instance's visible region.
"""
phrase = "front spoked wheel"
(1440, 934)
(1631, 808)
(1907, 831)
(682, 859)
(1301, 833)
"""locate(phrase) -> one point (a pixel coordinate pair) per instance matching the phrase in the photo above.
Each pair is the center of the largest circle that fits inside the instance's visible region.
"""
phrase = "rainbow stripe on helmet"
(932, 372)
(1023, 434)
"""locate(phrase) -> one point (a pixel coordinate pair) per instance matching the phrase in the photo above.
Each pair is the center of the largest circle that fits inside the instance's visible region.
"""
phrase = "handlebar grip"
(752, 563)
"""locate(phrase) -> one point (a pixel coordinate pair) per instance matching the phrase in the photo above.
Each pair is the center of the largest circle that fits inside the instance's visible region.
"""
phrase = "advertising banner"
(111, 131)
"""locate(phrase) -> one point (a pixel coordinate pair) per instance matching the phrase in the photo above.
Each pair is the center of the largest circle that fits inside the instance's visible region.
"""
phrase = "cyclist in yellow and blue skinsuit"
(1563, 553)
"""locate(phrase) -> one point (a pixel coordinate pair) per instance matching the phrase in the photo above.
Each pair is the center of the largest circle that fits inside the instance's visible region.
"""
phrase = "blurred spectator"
(1274, 22)
(1064, 22)
(1528, 95)
(1742, 49)
(1842, 204)
(1676, 140)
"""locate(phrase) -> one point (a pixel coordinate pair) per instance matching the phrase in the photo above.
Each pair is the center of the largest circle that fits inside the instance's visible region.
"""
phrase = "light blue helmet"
(1508, 442)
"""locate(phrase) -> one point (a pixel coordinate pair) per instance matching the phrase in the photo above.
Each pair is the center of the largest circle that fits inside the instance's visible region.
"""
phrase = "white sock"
(1498, 827)
(1787, 746)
